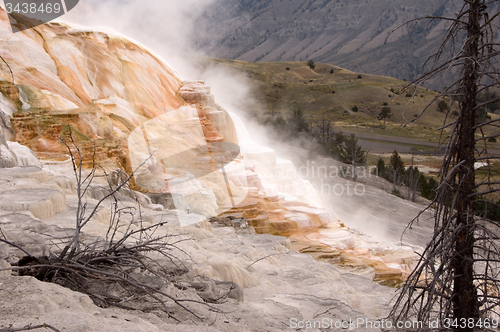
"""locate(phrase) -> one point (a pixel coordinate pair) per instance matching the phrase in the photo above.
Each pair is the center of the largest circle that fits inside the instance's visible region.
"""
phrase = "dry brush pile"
(134, 266)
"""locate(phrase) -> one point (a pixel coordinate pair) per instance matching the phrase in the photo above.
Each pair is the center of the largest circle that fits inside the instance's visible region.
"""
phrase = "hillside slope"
(349, 34)
(326, 90)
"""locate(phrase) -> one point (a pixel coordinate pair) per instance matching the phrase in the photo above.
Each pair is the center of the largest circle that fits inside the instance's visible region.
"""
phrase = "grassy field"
(333, 92)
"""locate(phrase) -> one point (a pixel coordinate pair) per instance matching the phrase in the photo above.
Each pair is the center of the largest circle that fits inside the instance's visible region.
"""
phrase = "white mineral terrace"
(189, 173)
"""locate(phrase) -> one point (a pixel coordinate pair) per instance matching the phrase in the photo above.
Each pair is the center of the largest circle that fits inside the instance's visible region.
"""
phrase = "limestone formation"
(192, 161)
(108, 87)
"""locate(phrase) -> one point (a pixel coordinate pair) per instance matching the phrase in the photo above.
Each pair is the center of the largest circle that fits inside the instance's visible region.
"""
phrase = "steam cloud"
(166, 27)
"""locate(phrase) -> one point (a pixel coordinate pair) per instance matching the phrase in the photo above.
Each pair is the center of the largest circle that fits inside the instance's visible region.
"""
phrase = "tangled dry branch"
(134, 266)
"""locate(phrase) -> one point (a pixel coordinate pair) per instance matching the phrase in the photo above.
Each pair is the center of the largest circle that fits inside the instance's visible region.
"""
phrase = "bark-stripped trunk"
(464, 297)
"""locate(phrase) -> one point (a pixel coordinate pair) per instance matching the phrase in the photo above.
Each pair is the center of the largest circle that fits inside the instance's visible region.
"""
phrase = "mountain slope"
(349, 34)
(330, 91)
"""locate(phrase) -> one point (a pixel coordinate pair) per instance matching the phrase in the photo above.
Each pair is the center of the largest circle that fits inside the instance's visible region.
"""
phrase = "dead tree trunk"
(457, 279)
(464, 296)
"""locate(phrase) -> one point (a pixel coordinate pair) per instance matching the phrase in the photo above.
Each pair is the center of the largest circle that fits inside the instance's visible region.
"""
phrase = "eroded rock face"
(103, 86)
(103, 89)
(9, 100)
(7, 157)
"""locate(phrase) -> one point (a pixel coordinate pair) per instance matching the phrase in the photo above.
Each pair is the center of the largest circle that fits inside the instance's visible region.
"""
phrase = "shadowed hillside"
(350, 34)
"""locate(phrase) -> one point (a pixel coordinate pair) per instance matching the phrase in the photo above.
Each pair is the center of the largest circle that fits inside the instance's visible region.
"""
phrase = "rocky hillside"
(348, 34)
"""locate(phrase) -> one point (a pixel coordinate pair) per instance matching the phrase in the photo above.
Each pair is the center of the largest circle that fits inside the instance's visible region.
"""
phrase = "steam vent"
(194, 168)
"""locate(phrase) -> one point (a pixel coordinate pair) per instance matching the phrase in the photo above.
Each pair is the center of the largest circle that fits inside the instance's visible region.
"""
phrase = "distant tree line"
(410, 177)
(417, 182)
